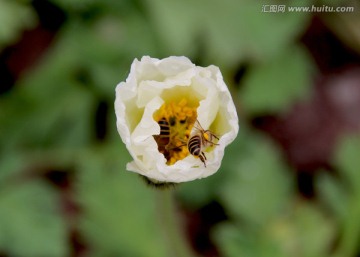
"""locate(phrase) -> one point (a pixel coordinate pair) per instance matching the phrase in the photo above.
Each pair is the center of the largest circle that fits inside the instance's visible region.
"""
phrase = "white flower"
(176, 92)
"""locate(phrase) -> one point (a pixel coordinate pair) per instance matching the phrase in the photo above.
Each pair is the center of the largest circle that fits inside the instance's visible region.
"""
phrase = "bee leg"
(210, 136)
(203, 158)
(211, 142)
(216, 137)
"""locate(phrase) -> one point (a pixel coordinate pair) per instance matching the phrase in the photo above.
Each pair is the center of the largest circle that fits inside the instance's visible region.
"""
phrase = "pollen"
(206, 136)
(175, 132)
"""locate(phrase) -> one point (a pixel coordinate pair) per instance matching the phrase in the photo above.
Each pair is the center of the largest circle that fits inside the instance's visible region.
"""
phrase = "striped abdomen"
(164, 128)
(195, 147)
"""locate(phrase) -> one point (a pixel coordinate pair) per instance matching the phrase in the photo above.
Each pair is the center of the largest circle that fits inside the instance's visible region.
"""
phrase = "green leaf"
(274, 85)
(12, 163)
(120, 216)
(30, 223)
(348, 161)
(302, 231)
(258, 184)
(314, 232)
(333, 193)
(14, 18)
(47, 107)
(234, 241)
(223, 31)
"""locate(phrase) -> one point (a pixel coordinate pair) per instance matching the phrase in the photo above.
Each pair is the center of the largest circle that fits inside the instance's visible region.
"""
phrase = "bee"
(163, 139)
(199, 140)
(163, 142)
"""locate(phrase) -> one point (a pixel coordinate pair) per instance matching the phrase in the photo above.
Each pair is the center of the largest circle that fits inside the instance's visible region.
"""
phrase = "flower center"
(176, 121)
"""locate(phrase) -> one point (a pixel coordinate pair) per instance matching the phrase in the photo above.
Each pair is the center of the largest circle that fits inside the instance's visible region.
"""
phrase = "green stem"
(170, 223)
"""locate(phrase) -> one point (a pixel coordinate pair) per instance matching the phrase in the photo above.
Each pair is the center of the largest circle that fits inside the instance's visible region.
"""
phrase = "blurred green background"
(289, 184)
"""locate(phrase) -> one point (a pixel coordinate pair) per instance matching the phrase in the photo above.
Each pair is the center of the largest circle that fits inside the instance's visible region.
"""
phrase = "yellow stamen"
(181, 117)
